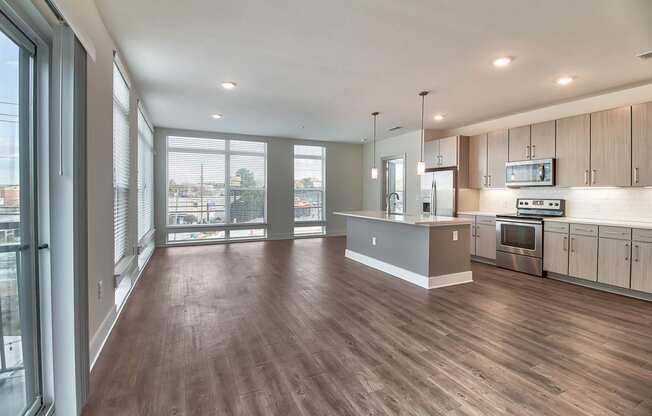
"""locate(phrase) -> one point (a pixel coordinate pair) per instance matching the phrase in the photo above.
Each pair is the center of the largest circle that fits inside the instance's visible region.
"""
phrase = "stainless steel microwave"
(530, 173)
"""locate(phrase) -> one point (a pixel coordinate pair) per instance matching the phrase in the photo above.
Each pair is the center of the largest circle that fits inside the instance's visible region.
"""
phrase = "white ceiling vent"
(645, 55)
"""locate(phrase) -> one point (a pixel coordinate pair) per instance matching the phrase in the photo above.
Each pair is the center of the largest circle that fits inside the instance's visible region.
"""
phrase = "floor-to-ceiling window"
(216, 189)
(309, 190)
(121, 165)
(19, 352)
(145, 189)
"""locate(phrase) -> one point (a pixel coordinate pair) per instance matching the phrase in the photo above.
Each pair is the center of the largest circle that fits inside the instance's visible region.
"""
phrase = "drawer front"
(485, 220)
(468, 217)
(584, 229)
(642, 235)
(617, 233)
(556, 227)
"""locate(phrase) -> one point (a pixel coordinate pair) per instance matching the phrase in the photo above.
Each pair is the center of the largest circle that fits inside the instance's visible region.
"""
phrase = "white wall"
(343, 180)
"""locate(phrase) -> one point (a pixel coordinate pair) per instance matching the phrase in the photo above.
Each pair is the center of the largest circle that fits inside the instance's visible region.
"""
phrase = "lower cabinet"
(614, 262)
(555, 249)
(642, 266)
(485, 244)
(583, 257)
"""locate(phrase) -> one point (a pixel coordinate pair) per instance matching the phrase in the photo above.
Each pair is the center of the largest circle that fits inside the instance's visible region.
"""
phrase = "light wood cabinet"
(573, 151)
(611, 147)
(642, 266)
(555, 249)
(478, 161)
(431, 154)
(448, 151)
(485, 244)
(519, 144)
(583, 257)
(543, 139)
(497, 152)
(472, 239)
(613, 262)
(642, 144)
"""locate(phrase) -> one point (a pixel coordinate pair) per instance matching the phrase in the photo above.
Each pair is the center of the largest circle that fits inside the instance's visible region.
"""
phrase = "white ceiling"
(317, 69)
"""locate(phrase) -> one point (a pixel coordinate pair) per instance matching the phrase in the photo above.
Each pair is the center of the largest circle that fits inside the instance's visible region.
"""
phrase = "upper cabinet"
(443, 153)
(431, 154)
(519, 144)
(642, 145)
(478, 161)
(611, 147)
(543, 140)
(497, 151)
(574, 150)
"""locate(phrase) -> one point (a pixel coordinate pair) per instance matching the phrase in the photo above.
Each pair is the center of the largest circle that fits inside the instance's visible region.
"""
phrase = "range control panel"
(552, 207)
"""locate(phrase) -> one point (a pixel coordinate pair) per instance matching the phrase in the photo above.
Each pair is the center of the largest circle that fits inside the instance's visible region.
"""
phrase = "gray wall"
(343, 180)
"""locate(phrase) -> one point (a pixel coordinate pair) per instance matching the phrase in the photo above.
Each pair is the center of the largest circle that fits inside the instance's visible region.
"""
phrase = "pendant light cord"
(375, 114)
(423, 134)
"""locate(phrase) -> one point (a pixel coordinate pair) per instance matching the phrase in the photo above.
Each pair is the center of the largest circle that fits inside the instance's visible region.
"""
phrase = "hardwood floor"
(294, 328)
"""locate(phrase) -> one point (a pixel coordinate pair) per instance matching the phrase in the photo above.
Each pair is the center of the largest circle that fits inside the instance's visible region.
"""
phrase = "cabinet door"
(583, 257)
(555, 253)
(611, 147)
(497, 151)
(519, 143)
(472, 239)
(573, 150)
(448, 152)
(485, 241)
(543, 140)
(642, 144)
(642, 266)
(477, 161)
(431, 152)
(613, 262)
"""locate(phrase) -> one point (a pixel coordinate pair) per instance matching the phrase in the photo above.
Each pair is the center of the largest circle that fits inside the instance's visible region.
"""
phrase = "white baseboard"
(409, 276)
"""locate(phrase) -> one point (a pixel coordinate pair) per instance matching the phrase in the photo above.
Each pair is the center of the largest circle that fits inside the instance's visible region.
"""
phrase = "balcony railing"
(10, 252)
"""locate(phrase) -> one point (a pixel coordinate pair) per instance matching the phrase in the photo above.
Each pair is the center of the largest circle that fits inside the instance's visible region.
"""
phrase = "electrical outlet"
(99, 290)
(373, 241)
(455, 236)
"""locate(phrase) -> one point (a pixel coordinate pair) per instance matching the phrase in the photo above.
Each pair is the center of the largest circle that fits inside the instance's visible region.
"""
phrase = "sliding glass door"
(19, 355)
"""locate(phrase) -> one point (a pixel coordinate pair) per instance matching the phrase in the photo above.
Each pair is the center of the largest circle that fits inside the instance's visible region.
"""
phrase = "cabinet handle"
(489, 181)
(534, 149)
(572, 249)
(635, 175)
(636, 252)
(586, 177)
(593, 175)
(565, 243)
(527, 152)
(626, 252)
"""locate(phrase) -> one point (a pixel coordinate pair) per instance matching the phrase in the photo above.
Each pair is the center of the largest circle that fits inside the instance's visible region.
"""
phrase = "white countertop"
(484, 213)
(425, 220)
(644, 224)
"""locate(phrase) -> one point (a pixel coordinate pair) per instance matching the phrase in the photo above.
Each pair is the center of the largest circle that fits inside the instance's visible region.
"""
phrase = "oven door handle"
(518, 221)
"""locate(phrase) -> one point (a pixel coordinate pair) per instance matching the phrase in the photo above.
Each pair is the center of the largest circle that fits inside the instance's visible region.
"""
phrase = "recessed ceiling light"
(503, 61)
(217, 116)
(565, 80)
(439, 117)
(229, 85)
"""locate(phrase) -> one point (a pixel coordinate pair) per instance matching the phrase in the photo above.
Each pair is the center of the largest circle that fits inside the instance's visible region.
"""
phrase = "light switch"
(454, 235)
(373, 241)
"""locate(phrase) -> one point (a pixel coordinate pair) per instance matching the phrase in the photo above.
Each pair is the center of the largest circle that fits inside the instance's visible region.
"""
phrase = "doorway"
(394, 182)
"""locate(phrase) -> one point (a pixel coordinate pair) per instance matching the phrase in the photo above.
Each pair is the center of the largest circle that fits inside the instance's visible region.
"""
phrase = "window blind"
(145, 177)
(215, 182)
(121, 171)
(309, 186)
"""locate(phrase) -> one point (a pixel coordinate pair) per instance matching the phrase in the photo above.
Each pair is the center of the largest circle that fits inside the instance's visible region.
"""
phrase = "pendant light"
(421, 165)
(374, 171)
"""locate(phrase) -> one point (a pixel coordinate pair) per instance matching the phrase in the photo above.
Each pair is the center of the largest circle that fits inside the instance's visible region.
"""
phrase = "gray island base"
(428, 251)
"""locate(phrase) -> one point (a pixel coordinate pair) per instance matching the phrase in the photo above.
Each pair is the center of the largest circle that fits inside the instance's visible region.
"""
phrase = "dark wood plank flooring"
(294, 328)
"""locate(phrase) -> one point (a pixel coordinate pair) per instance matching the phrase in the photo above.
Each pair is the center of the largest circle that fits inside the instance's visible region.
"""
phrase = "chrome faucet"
(389, 201)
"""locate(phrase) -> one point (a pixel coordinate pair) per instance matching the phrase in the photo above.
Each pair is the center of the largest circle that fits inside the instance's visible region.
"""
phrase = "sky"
(8, 111)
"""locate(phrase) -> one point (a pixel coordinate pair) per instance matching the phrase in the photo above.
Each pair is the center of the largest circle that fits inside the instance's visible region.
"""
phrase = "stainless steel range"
(519, 238)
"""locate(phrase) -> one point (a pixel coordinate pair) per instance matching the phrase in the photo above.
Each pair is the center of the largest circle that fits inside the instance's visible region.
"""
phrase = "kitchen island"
(428, 251)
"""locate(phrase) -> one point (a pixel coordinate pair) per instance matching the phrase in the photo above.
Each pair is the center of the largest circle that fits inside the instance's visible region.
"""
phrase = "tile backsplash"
(598, 203)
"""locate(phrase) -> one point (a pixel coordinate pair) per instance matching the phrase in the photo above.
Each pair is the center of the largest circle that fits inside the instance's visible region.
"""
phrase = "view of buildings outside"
(12, 377)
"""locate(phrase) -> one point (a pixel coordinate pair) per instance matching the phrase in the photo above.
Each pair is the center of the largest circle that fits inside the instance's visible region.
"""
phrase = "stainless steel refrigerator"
(439, 192)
